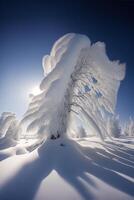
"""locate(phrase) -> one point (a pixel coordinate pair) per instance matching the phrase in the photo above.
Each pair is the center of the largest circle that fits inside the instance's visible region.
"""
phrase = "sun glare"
(35, 90)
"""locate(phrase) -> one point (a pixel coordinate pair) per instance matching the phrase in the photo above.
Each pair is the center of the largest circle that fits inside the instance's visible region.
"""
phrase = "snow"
(73, 65)
(54, 152)
(63, 191)
(6, 119)
(80, 169)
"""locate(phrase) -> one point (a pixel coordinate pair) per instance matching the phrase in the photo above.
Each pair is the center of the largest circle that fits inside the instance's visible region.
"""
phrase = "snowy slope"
(66, 169)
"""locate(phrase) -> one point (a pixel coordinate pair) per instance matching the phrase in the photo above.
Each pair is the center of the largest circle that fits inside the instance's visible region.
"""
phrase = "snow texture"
(79, 78)
(9, 130)
(129, 128)
(88, 169)
(78, 95)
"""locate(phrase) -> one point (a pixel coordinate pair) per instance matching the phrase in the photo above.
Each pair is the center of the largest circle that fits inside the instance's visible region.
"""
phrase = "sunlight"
(35, 90)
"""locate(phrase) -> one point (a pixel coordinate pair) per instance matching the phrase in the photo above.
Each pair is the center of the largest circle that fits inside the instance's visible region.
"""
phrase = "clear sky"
(28, 30)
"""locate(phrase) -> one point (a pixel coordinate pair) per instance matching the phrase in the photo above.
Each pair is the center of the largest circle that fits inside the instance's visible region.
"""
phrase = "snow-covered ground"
(66, 169)
(79, 79)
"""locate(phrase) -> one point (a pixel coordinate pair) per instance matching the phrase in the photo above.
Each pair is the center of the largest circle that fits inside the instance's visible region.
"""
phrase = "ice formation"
(80, 80)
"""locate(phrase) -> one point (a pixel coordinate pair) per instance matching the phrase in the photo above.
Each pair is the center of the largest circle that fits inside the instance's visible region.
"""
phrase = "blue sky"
(28, 30)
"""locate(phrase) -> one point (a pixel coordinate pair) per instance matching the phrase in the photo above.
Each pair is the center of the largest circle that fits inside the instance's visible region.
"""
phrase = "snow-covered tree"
(5, 121)
(79, 78)
(9, 129)
(113, 126)
(13, 130)
(129, 127)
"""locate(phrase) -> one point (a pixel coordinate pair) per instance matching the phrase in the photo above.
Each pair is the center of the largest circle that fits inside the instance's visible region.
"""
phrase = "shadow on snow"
(73, 163)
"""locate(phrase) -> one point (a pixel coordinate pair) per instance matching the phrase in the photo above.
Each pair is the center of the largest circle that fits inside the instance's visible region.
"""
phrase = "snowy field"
(68, 169)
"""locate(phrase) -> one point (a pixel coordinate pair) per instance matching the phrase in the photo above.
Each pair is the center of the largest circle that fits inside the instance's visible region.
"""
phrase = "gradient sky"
(28, 30)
